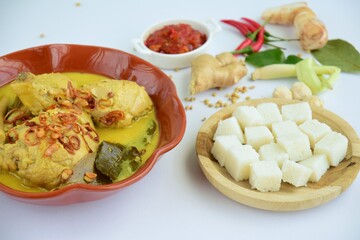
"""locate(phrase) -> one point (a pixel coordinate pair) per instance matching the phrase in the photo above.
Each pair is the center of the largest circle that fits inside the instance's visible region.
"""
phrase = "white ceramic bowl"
(174, 61)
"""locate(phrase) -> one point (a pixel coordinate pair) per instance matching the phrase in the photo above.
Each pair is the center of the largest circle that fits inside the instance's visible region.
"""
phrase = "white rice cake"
(334, 146)
(265, 176)
(273, 152)
(297, 145)
(229, 126)
(258, 136)
(238, 161)
(315, 130)
(248, 116)
(283, 128)
(270, 113)
(297, 112)
(295, 173)
(221, 146)
(319, 165)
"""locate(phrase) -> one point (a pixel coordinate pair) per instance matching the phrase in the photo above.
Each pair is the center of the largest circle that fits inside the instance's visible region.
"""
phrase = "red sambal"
(175, 39)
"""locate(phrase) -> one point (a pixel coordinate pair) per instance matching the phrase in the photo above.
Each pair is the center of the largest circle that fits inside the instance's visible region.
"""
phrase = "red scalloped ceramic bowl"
(113, 64)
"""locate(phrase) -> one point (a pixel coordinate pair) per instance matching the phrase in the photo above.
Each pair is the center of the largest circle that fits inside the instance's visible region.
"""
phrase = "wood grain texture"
(289, 198)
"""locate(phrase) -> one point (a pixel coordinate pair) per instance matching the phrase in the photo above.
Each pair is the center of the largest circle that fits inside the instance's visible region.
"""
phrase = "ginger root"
(208, 71)
(310, 30)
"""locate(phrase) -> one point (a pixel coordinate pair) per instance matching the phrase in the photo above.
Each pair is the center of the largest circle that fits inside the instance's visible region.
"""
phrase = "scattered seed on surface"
(190, 99)
(230, 98)
(219, 104)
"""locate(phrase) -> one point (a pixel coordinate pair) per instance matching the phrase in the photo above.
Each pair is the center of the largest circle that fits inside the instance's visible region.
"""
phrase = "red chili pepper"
(252, 36)
(255, 34)
(250, 27)
(256, 25)
(245, 43)
(238, 25)
(248, 46)
(266, 33)
(245, 46)
(260, 40)
(245, 28)
(252, 22)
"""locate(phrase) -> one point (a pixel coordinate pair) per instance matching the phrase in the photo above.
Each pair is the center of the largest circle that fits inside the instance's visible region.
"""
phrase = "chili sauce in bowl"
(175, 39)
(174, 44)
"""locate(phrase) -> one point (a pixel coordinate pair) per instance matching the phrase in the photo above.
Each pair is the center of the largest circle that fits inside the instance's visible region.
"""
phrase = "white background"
(175, 201)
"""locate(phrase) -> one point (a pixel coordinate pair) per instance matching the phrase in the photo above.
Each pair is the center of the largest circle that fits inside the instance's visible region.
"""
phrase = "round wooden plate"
(289, 198)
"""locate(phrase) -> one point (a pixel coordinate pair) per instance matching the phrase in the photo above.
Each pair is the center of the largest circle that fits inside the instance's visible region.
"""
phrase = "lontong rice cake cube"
(274, 152)
(270, 113)
(229, 126)
(248, 116)
(315, 130)
(297, 112)
(221, 146)
(319, 165)
(334, 146)
(295, 173)
(283, 128)
(238, 161)
(258, 136)
(297, 145)
(265, 176)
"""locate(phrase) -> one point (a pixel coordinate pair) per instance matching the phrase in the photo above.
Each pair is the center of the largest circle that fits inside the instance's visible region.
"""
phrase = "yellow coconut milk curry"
(64, 128)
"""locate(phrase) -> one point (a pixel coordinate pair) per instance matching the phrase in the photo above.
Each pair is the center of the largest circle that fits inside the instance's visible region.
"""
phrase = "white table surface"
(175, 201)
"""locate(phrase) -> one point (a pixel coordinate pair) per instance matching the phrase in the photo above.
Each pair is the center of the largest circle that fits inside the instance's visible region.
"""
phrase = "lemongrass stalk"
(305, 72)
(320, 70)
(274, 71)
(313, 75)
(317, 78)
(329, 79)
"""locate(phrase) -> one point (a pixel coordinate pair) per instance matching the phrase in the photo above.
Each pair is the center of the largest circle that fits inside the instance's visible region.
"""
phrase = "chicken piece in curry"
(118, 103)
(43, 150)
(110, 103)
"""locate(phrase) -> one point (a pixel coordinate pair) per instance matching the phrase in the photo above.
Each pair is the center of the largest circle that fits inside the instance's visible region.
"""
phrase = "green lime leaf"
(267, 57)
(292, 59)
(339, 53)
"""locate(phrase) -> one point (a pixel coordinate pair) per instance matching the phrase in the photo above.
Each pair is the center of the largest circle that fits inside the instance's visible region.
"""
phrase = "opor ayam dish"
(99, 76)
